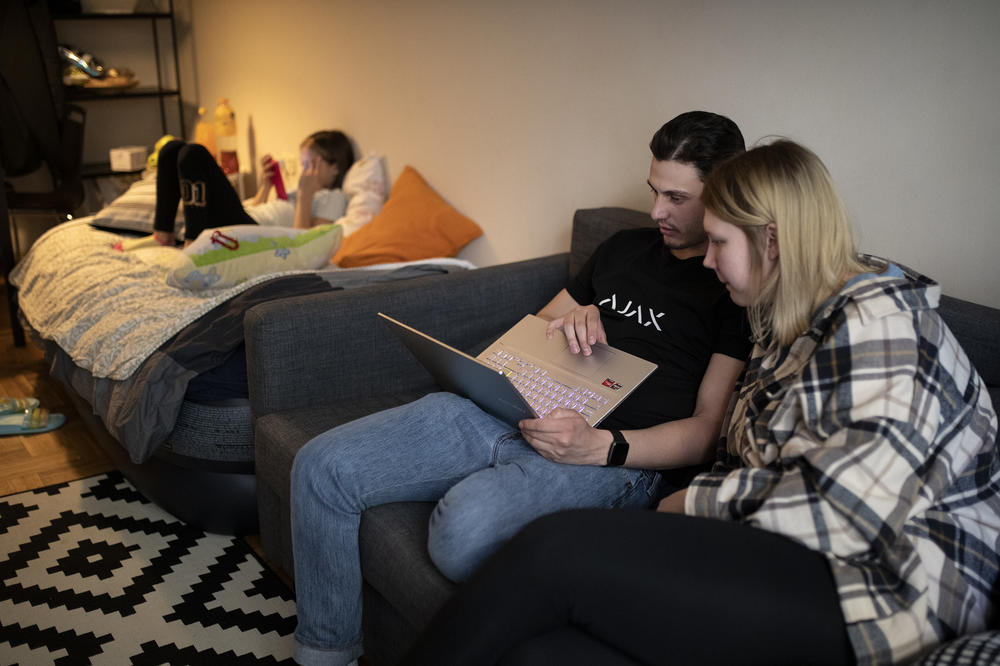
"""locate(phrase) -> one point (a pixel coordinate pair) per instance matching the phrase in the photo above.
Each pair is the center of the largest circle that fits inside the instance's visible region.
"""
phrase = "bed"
(159, 371)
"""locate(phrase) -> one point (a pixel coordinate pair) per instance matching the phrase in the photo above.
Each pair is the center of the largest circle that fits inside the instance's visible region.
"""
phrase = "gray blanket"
(140, 410)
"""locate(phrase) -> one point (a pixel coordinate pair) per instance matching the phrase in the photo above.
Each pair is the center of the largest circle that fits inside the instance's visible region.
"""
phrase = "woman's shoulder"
(890, 303)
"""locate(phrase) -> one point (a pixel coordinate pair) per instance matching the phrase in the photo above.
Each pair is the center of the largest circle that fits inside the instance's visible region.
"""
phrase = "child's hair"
(334, 147)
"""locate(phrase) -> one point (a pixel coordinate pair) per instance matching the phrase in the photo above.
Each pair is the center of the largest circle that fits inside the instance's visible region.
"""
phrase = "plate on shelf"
(112, 82)
(115, 79)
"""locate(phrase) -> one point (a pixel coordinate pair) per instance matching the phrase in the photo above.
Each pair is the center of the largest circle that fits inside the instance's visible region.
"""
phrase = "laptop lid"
(463, 375)
(524, 375)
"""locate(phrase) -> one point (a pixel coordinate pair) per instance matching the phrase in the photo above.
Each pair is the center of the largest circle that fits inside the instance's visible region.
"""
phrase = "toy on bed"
(161, 365)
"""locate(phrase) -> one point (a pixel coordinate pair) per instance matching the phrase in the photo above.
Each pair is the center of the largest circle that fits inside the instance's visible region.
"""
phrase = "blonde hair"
(786, 185)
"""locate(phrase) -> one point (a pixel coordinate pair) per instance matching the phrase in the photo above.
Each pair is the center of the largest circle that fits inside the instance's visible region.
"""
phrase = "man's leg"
(209, 198)
(483, 511)
(657, 587)
(414, 452)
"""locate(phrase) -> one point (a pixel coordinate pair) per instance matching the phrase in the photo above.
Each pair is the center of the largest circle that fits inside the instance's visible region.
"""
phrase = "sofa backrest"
(591, 226)
(977, 329)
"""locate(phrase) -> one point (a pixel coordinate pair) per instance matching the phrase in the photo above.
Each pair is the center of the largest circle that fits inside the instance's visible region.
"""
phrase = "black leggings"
(640, 587)
(186, 172)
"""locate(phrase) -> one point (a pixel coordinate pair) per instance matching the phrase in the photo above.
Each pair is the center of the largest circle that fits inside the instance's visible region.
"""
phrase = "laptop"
(524, 375)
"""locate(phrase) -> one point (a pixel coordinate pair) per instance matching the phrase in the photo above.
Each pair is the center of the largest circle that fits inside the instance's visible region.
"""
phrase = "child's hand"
(268, 165)
(310, 181)
(264, 183)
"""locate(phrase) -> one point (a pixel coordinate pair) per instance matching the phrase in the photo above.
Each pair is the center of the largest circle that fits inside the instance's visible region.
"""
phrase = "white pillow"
(135, 208)
(366, 185)
(227, 256)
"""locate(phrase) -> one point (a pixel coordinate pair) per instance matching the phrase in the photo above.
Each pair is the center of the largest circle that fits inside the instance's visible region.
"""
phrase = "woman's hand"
(582, 327)
(564, 436)
(674, 502)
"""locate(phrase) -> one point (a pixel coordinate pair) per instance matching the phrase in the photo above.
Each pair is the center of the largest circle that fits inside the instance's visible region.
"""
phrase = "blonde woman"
(854, 514)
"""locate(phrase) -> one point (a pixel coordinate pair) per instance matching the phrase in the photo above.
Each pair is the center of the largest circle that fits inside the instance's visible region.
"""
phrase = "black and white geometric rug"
(91, 572)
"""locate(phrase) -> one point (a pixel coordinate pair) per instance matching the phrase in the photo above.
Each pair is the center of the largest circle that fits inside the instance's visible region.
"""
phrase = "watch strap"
(618, 451)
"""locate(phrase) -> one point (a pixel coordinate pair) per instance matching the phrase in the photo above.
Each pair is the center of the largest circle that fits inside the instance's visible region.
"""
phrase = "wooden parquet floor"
(33, 461)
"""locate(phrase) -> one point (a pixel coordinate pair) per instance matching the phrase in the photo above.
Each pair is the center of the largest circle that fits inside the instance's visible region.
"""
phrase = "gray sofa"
(317, 361)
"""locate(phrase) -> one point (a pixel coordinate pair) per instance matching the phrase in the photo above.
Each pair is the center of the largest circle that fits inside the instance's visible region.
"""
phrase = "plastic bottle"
(225, 137)
(204, 133)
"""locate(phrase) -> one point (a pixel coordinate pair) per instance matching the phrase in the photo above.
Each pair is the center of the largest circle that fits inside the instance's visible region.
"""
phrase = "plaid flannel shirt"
(872, 440)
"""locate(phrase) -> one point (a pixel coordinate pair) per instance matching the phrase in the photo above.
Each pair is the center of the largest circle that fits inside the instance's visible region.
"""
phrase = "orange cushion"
(415, 223)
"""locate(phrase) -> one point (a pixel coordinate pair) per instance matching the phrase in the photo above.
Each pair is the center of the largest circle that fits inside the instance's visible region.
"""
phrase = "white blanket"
(108, 310)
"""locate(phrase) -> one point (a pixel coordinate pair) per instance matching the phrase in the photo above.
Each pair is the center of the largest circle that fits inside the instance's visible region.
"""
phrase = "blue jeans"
(487, 480)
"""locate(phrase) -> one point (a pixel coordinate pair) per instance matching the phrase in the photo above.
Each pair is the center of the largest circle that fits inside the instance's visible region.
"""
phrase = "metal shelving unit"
(76, 93)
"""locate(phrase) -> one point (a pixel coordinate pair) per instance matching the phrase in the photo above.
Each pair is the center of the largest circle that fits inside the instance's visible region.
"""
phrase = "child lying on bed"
(187, 173)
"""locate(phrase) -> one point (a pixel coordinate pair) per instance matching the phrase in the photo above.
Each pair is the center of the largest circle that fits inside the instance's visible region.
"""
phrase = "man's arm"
(564, 436)
(580, 323)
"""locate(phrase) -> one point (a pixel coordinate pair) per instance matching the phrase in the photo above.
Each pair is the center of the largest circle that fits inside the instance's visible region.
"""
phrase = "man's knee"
(168, 153)
(305, 466)
(192, 155)
(316, 466)
(459, 541)
(460, 537)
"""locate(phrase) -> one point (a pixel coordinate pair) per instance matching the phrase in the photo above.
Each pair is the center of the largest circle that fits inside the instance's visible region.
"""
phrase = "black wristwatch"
(619, 449)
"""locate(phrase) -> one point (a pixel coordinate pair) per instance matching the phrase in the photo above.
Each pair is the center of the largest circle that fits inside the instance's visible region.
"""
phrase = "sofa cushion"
(395, 562)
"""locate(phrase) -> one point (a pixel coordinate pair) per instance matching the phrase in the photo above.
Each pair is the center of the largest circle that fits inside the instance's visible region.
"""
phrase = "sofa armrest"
(324, 348)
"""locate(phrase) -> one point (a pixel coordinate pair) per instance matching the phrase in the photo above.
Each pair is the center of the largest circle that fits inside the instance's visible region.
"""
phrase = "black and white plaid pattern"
(872, 439)
(976, 650)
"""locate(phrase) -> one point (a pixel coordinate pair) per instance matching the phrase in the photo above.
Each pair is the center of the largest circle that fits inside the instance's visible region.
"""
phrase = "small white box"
(128, 158)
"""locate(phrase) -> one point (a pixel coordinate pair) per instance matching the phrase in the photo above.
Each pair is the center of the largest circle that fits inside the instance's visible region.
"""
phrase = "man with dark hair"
(697, 138)
(644, 291)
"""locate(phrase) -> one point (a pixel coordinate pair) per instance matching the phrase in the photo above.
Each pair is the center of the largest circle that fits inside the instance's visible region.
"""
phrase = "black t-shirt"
(672, 312)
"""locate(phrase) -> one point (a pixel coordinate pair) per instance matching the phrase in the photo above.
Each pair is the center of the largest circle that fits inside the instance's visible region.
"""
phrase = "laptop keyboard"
(540, 391)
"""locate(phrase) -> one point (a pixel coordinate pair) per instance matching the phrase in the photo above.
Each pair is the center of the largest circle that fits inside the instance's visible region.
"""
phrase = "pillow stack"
(414, 223)
(135, 208)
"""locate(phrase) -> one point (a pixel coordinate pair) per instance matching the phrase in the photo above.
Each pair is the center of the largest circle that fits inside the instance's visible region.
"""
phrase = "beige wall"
(520, 112)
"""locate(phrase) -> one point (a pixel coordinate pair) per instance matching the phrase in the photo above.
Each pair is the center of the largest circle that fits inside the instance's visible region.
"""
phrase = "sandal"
(30, 422)
(21, 405)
